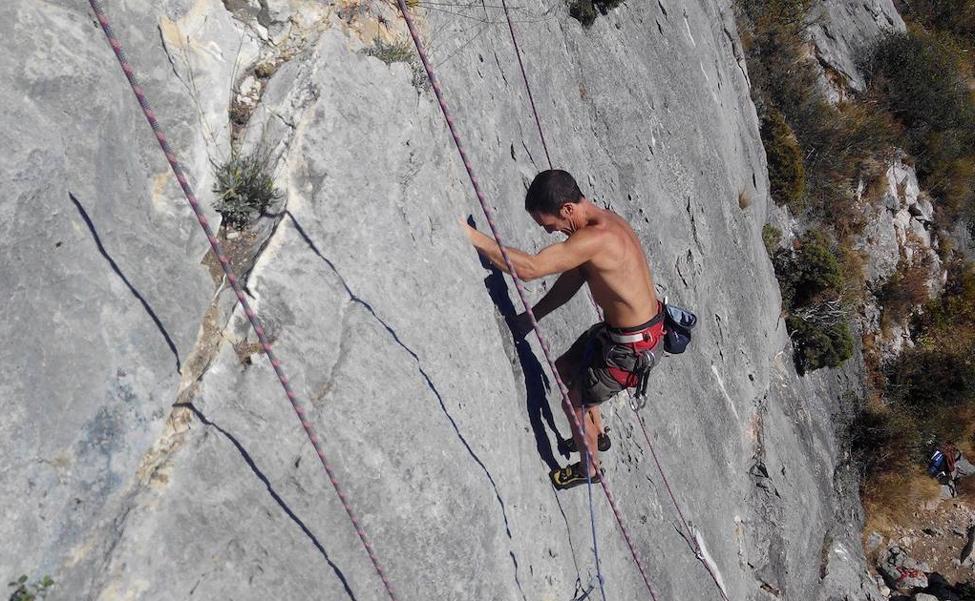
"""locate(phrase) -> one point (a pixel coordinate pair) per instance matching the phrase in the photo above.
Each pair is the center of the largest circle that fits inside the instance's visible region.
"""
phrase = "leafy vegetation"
(918, 98)
(786, 172)
(586, 11)
(772, 237)
(244, 187)
(929, 396)
(919, 78)
(811, 280)
(399, 52)
(24, 591)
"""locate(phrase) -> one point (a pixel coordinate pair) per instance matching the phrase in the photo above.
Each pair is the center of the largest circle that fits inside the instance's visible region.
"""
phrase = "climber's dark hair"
(550, 190)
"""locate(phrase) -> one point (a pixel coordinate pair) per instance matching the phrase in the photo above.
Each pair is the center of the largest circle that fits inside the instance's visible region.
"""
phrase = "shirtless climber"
(603, 251)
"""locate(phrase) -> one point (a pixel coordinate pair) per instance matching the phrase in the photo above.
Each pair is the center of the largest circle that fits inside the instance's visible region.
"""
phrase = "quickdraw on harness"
(634, 352)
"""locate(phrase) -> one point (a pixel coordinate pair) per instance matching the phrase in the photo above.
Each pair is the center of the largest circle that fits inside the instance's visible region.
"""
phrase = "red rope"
(489, 216)
(218, 251)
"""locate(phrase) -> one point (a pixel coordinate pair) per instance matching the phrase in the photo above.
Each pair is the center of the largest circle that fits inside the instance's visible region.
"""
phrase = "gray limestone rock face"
(880, 241)
(101, 271)
(139, 478)
(842, 31)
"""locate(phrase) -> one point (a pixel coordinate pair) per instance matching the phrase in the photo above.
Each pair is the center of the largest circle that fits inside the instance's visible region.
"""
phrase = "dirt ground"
(935, 534)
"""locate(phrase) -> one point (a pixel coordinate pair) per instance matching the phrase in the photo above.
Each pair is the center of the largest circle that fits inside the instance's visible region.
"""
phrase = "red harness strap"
(651, 338)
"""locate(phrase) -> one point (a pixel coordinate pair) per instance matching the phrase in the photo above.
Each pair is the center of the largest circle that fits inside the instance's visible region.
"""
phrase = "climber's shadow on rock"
(537, 383)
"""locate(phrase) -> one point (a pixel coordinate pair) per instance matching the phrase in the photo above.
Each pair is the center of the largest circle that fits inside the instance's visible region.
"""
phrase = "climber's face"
(557, 223)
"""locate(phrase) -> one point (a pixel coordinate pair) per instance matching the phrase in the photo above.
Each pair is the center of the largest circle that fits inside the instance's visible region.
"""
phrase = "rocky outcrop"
(899, 235)
(842, 33)
(148, 453)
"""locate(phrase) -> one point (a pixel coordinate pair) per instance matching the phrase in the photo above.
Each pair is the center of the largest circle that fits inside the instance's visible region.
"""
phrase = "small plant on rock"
(398, 52)
(244, 187)
(586, 11)
(772, 237)
(30, 592)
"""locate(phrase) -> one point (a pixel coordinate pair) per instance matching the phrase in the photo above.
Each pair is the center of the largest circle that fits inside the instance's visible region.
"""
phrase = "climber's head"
(553, 200)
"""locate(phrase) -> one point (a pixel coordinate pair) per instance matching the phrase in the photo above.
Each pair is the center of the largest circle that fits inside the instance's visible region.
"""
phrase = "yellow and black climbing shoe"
(571, 476)
(603, 443)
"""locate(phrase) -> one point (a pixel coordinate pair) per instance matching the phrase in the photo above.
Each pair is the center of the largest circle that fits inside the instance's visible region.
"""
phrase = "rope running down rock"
(218, 251)
(691, 540)
(489, 216)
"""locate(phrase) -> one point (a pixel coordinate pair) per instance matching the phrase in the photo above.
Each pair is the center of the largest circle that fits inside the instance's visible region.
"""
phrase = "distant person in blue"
(603, 251)
(948, 466)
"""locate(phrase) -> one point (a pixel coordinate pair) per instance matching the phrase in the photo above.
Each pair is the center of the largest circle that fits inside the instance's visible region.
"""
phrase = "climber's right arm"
(564, 288)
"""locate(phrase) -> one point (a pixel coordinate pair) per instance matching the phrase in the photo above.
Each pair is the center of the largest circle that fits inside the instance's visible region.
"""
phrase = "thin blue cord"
(587, 356)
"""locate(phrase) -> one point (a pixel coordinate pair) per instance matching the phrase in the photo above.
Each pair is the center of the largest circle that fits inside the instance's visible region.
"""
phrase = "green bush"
(821, 337)
(919, 77)
(809, 274)
(244, 187)
(24, 591)
(586, 11)
(786, 173)
(772, 237)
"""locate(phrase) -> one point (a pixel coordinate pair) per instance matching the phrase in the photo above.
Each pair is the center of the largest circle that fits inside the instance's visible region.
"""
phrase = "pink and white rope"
(489, 216)
(218, 251)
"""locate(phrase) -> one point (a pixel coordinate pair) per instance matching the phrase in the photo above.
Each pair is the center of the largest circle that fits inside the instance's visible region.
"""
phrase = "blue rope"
(586, 358)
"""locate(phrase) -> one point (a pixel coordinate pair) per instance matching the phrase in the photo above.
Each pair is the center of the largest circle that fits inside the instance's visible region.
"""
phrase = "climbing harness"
(489, 216)
(218, 251)
(677, 327)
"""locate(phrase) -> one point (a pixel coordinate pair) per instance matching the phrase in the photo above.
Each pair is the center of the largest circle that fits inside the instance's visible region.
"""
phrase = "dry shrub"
(853, 268)
(886, 442)
(966, 489)
(744, 200)
(873, 175)
(891, 498)
(906, 290)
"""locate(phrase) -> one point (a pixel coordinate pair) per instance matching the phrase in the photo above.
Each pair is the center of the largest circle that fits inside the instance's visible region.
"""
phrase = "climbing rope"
(538, 122)
(218, 251)
(489, 216)
(691, 539)
(689, 534)
(524, 76)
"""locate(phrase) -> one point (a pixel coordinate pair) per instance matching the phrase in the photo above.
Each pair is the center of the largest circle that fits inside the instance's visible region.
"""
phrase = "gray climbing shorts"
(591, 376)
(604, 368)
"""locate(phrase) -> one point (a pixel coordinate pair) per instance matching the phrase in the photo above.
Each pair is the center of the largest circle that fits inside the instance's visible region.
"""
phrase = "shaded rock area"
(902, 572)
(148, 452)
(842, 31)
